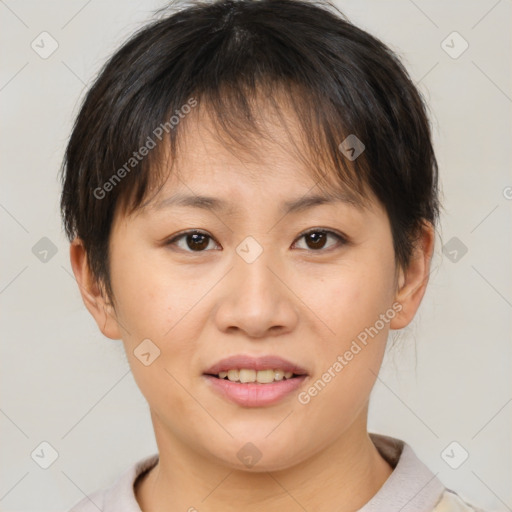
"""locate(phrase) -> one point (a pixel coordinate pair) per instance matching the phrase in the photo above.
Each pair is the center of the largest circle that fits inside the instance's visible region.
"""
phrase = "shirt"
(411, 487)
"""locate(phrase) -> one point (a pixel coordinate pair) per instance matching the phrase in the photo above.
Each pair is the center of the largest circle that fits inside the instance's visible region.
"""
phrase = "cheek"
(349, 359)
(351, 305)
(151, 298)
(354, 295)
(152, 304)
(158, 302)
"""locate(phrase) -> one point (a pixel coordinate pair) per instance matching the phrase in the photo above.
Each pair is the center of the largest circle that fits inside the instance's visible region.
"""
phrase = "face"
(242, 275)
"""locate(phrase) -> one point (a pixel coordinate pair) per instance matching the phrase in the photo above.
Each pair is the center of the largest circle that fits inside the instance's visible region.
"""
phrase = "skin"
(304, 304)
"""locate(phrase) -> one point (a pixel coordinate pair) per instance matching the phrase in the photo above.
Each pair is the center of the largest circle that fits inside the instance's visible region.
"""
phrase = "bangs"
(241, 117)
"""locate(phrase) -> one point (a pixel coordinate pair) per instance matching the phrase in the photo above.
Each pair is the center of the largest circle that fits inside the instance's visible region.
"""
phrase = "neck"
(182, 479)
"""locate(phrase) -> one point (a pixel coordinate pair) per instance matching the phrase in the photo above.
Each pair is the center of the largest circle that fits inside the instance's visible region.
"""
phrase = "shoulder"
(452, 502)
(412, 486)
(119, 497)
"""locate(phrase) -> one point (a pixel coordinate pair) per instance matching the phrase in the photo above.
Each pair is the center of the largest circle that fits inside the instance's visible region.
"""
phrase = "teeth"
(264, 376)
(247, 375)
(278, 375)
(233, 375)
(261, 376)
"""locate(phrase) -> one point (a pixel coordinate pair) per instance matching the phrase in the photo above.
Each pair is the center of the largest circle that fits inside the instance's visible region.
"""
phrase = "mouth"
(255, 382)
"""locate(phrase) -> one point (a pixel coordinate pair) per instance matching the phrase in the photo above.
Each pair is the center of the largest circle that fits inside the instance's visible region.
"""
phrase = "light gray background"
(63, 383)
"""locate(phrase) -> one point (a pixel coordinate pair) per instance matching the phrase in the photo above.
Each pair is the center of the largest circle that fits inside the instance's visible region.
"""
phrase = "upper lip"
(255, 363)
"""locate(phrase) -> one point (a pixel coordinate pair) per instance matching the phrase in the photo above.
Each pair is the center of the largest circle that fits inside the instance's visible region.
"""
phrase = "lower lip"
(253, 394)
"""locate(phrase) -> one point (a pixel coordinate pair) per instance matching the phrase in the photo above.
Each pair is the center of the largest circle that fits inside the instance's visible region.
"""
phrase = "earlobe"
(93, 296)
(413, 280)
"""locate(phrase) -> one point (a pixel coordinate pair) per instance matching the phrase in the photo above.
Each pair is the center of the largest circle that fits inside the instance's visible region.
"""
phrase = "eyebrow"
(220, 205)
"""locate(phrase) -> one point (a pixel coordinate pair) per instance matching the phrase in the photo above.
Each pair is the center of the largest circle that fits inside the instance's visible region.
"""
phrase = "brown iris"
(197, 241)
(316, 239)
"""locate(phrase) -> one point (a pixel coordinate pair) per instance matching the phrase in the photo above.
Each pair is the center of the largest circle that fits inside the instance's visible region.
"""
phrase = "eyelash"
(342, 240)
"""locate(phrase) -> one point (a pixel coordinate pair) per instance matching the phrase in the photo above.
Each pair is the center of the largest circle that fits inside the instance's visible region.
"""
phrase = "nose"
(256, 300)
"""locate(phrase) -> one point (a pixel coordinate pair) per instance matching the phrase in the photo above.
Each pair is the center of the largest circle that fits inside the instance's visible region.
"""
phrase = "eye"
(316, 239)
(194, 241)
(198, 241)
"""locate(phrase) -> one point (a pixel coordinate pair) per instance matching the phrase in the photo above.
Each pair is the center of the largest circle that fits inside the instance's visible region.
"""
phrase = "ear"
(94, 297)
(412, 281)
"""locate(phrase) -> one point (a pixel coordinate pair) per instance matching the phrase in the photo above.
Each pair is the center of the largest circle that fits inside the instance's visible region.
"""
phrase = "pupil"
(317, 238)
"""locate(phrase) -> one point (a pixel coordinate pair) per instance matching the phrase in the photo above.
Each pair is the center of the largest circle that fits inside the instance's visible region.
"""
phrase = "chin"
(259, 456)
(264, 465)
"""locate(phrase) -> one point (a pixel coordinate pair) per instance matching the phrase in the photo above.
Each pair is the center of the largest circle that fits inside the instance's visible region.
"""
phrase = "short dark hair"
(339, 80)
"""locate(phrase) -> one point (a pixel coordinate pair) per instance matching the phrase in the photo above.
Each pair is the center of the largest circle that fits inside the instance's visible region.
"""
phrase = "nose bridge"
(251, 270)
(256, 301)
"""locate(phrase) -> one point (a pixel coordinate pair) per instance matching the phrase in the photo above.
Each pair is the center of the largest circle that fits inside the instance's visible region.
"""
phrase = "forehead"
(269, 146)
(274, 160)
